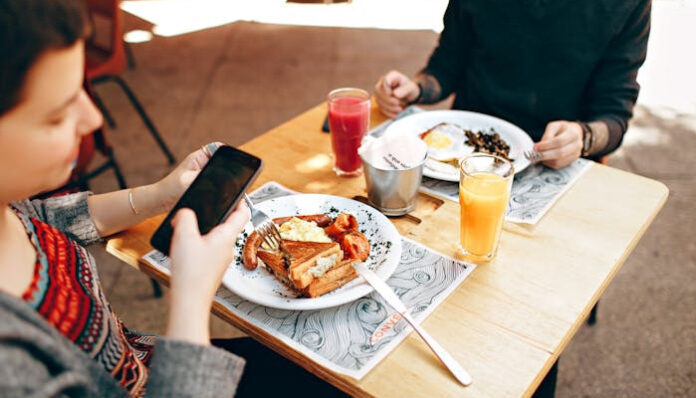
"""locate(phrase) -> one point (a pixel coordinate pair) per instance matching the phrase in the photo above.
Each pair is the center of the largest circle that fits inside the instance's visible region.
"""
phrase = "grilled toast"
(313, 268)
(339, 275)
(298, 264)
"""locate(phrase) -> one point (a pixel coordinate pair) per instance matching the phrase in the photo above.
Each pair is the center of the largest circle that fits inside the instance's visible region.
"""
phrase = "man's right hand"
(394, 91)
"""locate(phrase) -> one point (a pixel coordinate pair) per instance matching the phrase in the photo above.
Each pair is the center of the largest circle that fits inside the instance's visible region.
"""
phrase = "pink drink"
(349, 119)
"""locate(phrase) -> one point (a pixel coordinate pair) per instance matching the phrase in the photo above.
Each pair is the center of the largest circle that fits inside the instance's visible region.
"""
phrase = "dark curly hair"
(27, 29)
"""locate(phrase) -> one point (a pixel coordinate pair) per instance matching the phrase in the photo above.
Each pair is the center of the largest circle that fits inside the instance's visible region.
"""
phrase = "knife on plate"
(393, 300)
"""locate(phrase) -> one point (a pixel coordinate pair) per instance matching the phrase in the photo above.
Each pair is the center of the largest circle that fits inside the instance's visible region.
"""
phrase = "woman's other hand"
(198, 264)
(394, 91)
(172, 186)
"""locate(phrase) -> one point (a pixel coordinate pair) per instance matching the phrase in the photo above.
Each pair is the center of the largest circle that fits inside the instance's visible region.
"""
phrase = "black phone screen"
(214, 192)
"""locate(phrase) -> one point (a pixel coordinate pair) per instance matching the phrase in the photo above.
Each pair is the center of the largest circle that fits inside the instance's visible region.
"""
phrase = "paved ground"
(234, 82)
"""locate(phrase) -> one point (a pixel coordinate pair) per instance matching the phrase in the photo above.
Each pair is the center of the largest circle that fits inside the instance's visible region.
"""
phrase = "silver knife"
(393, 300)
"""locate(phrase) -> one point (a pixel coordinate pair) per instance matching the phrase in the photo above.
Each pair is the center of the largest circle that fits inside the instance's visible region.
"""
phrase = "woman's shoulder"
(68, 213)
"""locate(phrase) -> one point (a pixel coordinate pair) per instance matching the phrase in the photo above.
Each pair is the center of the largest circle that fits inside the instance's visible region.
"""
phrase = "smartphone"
(214, 193)
(325, 127)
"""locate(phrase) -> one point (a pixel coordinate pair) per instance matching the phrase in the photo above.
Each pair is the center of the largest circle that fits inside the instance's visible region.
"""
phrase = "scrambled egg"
(303, 231)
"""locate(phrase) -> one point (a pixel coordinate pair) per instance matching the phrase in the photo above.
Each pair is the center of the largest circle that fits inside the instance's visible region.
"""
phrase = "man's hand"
(561, 144)
(394, 91)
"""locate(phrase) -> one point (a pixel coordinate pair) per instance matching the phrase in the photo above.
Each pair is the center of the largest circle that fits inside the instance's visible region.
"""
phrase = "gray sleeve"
(180, 369)
(24, 374)
(68, 213)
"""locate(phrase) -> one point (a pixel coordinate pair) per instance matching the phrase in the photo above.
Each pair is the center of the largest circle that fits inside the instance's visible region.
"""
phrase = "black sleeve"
(446, 63)
(613, 89)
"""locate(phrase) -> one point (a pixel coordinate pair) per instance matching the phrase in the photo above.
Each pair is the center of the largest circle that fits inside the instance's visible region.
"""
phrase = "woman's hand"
(198, 264)
(394, 91)
(171, 187)
(561, 144)
(115, 211)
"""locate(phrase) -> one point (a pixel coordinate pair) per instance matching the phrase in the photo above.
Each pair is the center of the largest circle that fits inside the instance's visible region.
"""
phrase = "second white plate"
(418, 123)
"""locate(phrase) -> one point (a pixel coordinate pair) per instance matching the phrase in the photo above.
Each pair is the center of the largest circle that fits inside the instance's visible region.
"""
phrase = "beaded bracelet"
(420, 94)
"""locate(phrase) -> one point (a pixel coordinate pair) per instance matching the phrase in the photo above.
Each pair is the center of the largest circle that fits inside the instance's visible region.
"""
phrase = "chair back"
(105, 58)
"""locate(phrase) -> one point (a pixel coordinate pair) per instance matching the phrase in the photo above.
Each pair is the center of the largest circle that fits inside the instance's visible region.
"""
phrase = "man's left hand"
(561, 144)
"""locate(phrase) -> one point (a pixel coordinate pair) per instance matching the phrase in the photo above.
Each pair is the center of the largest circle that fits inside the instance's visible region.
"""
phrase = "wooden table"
(511, 319)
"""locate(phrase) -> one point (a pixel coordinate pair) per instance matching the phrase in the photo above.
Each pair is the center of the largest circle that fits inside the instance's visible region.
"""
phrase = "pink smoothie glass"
(349, 120)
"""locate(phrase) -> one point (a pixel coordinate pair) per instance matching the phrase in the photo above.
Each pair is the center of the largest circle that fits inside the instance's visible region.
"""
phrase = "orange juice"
(483, 198)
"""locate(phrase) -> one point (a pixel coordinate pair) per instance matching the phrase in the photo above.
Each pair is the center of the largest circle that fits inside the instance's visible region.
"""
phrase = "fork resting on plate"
(264, 226)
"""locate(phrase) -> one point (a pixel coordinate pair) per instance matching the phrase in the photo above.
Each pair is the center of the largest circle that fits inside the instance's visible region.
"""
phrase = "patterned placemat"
(352, 338)
(534, 191)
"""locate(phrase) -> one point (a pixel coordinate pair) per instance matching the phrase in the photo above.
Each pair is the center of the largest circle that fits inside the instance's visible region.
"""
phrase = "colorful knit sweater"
(66, 292)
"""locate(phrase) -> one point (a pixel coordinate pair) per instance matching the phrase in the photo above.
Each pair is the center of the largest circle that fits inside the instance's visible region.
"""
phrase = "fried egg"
(437, 140)
(446, 141)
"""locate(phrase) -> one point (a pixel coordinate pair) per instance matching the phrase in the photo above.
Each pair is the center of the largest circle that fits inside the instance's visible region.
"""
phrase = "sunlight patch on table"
(320, 186)
(316, 162)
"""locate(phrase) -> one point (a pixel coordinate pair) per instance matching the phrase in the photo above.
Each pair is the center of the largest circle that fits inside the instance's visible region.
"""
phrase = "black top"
(534, 61)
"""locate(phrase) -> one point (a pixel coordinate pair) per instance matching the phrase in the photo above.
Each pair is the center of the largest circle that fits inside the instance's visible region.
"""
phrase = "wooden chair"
(107, 62)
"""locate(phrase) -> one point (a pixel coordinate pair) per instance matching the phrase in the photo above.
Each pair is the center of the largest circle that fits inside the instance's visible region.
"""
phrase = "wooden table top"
(511, 319)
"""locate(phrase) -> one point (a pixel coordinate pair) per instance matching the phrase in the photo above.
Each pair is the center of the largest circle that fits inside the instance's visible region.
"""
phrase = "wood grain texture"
(510, 320)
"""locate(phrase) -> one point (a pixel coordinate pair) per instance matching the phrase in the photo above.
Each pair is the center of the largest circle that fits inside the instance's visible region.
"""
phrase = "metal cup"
(393, 192)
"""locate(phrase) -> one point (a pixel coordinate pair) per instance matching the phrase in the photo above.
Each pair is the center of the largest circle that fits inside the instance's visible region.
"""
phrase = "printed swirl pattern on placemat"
(342, 334)
(353, 338)
(534, 190)
(537, 188)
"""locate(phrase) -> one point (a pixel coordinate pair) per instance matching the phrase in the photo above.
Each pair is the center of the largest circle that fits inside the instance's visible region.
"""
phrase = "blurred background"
(229, 70)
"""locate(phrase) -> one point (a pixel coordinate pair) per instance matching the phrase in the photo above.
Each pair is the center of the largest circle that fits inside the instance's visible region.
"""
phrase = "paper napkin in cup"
(393, 151)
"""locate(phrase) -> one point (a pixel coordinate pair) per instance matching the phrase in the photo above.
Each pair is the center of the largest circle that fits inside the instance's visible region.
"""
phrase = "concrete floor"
(234, 82)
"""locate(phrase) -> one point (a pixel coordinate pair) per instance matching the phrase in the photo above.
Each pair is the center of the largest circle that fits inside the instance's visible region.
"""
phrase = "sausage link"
(250, 248)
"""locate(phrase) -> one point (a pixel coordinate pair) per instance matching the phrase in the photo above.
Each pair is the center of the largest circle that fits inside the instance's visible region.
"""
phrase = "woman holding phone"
(58, 334)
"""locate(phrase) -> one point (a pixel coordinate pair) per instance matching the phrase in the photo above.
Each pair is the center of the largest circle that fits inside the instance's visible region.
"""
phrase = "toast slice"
(276, 264)
(339, 275)
(297, 266)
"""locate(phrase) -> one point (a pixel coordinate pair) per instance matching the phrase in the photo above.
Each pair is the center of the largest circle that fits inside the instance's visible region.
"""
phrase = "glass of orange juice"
(484, 190)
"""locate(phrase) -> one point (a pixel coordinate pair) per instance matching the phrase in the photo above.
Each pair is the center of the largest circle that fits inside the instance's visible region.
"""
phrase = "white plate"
(417, 123)
(261, 287)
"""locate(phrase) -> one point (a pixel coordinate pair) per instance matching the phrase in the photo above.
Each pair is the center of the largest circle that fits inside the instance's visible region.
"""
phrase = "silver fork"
(532, 155)
(264, 226)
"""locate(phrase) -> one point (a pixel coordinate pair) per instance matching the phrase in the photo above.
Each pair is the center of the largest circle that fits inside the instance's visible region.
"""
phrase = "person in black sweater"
(564, 71)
